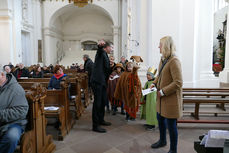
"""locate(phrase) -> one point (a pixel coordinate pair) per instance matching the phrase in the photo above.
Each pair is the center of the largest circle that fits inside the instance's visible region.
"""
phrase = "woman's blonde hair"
(168, 47)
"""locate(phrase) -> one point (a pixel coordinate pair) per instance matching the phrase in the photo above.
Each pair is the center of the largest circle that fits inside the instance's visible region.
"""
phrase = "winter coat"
(13, 105)
(24, 72)
(54, 83)
(88, 66)
(39, 75)
(101, 69)
(170, 82)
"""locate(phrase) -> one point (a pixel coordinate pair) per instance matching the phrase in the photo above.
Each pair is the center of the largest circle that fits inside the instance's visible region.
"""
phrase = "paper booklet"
(148, 91)
(114, 77)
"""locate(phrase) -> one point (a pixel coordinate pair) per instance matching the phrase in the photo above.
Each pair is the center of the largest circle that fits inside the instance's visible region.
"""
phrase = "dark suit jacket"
(25, 73)
(101, 70)
(88, 66)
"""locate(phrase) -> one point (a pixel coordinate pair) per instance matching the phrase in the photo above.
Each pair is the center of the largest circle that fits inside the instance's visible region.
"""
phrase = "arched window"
(89, 45)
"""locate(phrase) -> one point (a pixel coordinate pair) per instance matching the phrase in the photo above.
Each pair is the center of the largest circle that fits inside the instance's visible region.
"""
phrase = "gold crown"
(152, 70)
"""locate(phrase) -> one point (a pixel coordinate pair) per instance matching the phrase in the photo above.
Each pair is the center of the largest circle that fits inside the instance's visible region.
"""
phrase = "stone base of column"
(224, 78)
(207, 80)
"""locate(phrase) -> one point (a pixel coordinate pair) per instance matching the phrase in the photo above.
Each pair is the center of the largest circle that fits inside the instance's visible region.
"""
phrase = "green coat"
(148, 109)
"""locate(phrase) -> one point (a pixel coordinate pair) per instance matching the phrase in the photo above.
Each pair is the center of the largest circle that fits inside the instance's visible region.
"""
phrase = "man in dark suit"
(100, 75)
(88, 66)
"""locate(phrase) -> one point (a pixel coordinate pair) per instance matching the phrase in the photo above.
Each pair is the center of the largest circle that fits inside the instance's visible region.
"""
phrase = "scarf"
(58, 75)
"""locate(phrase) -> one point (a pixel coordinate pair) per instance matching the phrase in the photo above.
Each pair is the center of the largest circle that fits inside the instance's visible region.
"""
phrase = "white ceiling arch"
(70, 10)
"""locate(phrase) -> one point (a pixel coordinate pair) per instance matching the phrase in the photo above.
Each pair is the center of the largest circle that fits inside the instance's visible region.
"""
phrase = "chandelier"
(79, 3)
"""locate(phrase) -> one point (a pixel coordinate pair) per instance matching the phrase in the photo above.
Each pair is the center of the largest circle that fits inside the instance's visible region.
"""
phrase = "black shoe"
(150, 127)
(158, 144)
(104, 123)
(99, 129)
(172, 151)
(132, 119)
(146, 125)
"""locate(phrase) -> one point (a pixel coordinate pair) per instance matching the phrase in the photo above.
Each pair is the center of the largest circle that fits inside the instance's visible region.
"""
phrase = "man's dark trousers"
(100, 98)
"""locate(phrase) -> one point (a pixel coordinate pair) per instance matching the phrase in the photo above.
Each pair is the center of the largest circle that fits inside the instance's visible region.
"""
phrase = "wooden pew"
(75, 90)
(84, 85)
(203, 100)
(60, 99)
(209, 90)
(206, 89)
(202, 96)
(204, 121)
(35, 140)
(76, 93)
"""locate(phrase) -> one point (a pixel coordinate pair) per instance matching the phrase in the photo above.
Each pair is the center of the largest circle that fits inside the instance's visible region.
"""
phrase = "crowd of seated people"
(34, 71)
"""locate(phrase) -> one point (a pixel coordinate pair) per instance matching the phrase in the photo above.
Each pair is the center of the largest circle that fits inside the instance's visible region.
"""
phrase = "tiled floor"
(126, 137)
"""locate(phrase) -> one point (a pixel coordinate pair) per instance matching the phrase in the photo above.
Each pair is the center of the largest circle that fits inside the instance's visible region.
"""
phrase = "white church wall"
(17, 18)
(186, 45)
(165, 21)
(88, 24)
(204, 45)
(24, 15)
(37, 24)
(191, 32)
(6, 31)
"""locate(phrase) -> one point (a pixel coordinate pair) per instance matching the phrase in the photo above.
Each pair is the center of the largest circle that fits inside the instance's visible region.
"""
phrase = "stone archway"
(61, 26)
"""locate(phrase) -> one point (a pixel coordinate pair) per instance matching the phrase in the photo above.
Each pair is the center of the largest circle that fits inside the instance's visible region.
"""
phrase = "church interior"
(39, 35)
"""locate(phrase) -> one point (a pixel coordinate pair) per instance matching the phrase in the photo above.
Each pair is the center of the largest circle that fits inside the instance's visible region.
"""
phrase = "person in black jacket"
(88, 67)
(99, 78)
(21, 71)
(46, 70)
(38, 73)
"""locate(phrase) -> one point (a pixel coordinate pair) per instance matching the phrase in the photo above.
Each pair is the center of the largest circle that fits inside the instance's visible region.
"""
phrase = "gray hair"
(86, 56)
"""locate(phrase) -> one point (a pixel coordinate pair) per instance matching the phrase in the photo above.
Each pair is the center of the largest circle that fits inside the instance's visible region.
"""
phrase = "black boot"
(158, 144)
(127, 116)
(104, 123)
(99, 129)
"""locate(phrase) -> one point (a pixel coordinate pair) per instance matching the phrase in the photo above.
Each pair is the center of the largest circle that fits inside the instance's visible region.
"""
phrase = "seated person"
(51, 68)
(81, 69)
(45, 70)
(37, 72)
(56, 78)
(13, 111)
(21, 71)
(7, 69)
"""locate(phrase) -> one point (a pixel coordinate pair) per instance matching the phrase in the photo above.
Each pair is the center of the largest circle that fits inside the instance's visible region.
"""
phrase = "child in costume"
(112, 82)
(148, 102)
(129, 90)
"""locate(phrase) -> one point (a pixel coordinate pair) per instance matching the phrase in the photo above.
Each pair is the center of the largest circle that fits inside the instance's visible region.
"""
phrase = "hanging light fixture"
(79, 3)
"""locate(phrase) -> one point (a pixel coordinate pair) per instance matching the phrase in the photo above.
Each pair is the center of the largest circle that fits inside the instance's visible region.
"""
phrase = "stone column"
(116, 42)
(46, 51)
(224, 76)
(204, 43)
(6, 33)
